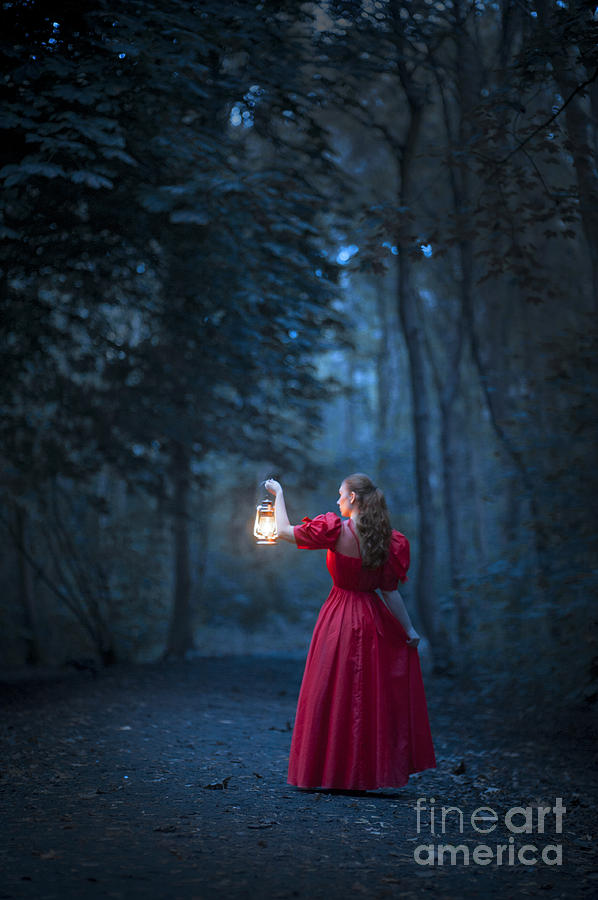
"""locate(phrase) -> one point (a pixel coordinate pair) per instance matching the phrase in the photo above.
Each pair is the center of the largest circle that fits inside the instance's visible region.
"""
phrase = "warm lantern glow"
(265, 523)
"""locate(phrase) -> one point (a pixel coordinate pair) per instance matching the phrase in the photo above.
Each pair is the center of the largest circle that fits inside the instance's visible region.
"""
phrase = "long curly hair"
(373, 523)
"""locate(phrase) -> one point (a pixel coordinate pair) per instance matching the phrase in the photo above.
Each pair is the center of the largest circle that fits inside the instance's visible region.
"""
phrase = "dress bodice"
(327, 531)
(348, 573)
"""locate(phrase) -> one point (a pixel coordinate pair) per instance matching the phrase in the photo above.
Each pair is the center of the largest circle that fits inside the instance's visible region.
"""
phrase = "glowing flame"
(265, 530)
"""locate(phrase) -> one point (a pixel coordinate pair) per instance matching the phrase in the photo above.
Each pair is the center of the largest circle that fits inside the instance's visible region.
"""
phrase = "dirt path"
(169, 781)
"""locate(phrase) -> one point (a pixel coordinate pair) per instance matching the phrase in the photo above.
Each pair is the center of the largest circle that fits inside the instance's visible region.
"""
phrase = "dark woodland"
(291, 240)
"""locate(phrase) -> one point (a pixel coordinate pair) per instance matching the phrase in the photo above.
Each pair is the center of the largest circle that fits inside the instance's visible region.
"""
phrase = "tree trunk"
(409, 317)
(201, 554)
(421, 423)
(180, 638)
(383, 370)
(448, 387)
(578, 127)
(474, 481)
(451, 493)
(389, 374)
(568, 75)
(26, 590)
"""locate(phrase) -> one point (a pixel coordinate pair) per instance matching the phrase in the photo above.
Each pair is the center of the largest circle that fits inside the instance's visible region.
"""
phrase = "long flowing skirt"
(362, 719)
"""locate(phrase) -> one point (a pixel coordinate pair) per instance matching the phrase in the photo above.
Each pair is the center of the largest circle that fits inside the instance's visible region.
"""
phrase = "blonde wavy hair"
(373, 523)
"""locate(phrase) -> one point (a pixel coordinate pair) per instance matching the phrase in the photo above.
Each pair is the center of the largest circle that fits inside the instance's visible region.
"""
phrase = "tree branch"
(543, 125)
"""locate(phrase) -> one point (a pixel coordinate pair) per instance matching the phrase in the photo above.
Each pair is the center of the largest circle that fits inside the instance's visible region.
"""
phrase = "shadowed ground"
(169, 781)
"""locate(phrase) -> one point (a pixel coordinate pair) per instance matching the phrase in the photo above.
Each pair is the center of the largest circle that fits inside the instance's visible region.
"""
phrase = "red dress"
(362, 720)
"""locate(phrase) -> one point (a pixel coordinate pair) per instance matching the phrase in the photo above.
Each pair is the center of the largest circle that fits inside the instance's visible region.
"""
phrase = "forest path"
(105, 793)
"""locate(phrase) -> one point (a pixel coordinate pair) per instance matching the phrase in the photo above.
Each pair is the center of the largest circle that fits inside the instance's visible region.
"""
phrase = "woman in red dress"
(362, 720)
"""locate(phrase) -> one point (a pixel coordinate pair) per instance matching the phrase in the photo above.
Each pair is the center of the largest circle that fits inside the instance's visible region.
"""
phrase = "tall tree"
(171, 327)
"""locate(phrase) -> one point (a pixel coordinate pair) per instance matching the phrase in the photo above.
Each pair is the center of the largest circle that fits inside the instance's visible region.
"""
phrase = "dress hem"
(358, 787)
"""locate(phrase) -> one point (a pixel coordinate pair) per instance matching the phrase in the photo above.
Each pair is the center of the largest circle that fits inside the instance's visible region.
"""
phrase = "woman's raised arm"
(283, 526)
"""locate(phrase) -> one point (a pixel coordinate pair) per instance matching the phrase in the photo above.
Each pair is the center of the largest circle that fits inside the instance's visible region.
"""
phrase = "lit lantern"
(265, 523)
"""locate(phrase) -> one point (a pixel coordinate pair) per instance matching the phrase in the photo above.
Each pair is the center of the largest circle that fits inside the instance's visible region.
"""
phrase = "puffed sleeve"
(320, 533)
(395, 567)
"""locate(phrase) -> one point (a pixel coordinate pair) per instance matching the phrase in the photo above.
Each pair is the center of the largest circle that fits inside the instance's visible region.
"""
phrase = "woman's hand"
(413, 638)
(273, 487)
(284, 527)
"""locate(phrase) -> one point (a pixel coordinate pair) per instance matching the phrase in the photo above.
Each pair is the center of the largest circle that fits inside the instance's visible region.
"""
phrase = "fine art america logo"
(520, 821)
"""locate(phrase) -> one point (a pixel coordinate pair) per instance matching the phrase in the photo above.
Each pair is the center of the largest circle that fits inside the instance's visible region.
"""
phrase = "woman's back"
(348, 540)
(344, 562)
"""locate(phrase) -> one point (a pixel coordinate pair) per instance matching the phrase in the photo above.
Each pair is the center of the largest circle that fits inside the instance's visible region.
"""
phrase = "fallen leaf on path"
(490, 792)
(218, 785)
(49, 854)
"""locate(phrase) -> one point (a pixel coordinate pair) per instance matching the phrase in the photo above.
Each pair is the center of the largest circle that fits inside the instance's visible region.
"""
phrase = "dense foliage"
(159, 284)
(164, 291)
